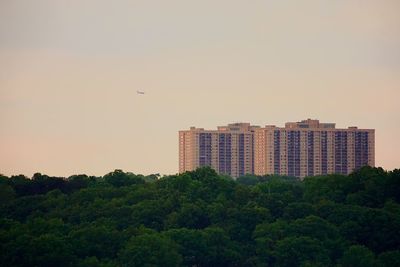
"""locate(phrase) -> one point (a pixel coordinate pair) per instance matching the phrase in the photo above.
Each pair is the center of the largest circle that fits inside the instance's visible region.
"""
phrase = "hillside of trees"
(200, 218)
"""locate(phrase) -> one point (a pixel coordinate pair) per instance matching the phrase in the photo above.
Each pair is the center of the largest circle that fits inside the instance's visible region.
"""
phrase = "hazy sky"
(69, 71)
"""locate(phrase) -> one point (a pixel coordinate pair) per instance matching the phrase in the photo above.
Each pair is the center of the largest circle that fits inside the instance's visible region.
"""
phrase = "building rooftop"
(309, 123)
(304, 124)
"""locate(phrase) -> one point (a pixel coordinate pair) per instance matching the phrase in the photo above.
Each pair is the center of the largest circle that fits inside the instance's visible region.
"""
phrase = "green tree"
(51, 250)
(150, 250)
(192, 216)
(299, 251)
(357, 256)
(192, 245)
(221, 251)
(119, 178)
(298, 210)
(389, 259)
(7, 193)
(98, 241)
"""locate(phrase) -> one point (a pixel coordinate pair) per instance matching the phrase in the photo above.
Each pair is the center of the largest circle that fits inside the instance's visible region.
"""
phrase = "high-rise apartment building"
(228, 150)
(310, 148)
(299, 149)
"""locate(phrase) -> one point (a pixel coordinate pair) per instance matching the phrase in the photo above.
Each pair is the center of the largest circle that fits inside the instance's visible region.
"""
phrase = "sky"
(69, 72)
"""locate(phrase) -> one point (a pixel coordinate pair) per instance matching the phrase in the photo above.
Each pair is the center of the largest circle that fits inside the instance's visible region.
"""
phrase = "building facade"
(300, 149)
(229, 150)
(309, 148)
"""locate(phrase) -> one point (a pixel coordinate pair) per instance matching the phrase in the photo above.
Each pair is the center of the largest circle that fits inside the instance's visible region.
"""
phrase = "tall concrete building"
(299, 149)
(310, 148)
(228, 150)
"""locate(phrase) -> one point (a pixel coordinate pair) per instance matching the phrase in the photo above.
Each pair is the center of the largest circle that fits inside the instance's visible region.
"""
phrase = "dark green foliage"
(7, 193)
(299, 251)
(389, 258)
(150, 250)
(297, 210)
(199, 219)
(358, 256)
(97, 240)
(119, 178)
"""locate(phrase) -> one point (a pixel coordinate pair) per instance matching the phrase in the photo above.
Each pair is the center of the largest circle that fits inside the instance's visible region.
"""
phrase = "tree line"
(201, 218)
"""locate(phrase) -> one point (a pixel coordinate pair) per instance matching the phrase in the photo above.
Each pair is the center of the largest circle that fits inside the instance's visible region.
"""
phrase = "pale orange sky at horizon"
(69, 72)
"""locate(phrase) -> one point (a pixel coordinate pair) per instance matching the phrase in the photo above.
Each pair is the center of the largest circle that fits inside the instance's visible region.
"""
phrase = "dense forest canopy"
(200, 218)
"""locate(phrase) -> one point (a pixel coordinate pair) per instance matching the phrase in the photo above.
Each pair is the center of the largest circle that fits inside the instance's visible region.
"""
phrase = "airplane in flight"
(140, 92)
